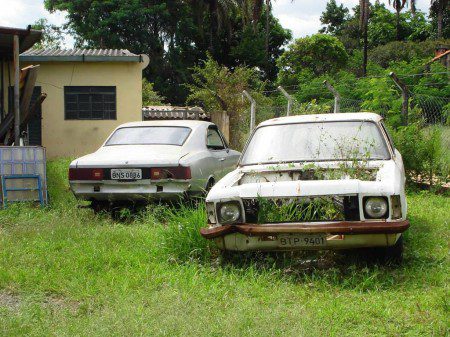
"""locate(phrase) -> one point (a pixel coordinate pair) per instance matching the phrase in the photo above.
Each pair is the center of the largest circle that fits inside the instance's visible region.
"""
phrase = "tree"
(440, 7)
(149, 95)
(334, 18)
(364, 7)
(176, 34)
(51, 34)
(398, 6)
(218, 88)
(319, 53)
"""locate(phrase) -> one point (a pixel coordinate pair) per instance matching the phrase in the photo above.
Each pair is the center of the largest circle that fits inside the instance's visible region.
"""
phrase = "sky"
(302, 17)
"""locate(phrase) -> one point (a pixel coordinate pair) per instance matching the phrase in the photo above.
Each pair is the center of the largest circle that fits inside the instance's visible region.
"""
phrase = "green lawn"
(66, 271)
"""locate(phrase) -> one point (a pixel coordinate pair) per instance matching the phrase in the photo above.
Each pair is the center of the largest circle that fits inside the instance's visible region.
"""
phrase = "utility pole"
(252, 109)
(16, 91)
(337, 96)
(405, 96)
(289, 99)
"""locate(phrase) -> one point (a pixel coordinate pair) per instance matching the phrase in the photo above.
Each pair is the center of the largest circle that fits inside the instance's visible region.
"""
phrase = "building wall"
(73, 138)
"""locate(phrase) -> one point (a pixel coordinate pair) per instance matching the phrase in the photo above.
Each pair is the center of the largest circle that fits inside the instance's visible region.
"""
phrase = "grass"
(65, 271)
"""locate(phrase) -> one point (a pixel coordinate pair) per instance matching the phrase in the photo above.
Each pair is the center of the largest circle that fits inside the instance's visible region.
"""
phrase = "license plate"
(302, 240)
(126, 174)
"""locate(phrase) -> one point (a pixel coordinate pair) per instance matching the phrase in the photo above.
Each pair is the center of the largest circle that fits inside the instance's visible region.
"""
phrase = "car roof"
(186, 123)
(334, 117)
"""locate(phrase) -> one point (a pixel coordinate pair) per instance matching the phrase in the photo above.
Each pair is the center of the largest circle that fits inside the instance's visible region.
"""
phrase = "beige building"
(89, 93)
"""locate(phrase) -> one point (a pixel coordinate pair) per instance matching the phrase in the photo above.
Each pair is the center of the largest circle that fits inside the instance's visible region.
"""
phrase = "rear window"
(149, 135)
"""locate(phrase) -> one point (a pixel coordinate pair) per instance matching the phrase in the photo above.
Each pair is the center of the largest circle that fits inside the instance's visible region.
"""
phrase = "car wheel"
(99, 206)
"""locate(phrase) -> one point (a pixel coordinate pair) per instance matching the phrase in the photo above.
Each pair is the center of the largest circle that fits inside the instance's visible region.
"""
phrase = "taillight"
(86, 174)
(180, 172)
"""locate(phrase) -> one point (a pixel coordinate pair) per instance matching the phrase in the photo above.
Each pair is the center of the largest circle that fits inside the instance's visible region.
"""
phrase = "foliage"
(424, 154)
(318, 53)
(333, 18)
(176, 35)
(406, 51)
(149, 95)
(218, 88)
(299, 210)
(51, 34)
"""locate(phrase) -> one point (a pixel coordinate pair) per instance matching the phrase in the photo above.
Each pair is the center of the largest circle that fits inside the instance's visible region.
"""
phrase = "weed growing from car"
(298, 209)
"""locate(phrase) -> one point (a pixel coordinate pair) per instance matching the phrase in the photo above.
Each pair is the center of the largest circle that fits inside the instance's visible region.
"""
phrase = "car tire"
(99, 206)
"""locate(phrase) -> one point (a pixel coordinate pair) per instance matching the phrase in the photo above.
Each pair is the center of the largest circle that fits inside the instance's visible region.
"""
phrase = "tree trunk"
(440, 18)
(398, 25)
(364, 23)
(365, 47)
(213, 24)
(267, 29)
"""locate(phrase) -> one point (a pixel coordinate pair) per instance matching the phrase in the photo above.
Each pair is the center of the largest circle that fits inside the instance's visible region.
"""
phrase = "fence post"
(337, 96)
(289, 99)
(252, 109)
(405, 96)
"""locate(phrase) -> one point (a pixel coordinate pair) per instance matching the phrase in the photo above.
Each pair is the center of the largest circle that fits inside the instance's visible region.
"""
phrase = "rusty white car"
(153, 160)
(329, 181)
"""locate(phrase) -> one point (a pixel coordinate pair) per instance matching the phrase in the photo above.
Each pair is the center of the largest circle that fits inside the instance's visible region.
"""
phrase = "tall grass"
(180, 233)
(66, 271)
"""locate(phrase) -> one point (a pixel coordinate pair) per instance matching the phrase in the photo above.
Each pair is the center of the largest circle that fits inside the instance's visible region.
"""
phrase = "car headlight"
(375, 207)
(229, 212)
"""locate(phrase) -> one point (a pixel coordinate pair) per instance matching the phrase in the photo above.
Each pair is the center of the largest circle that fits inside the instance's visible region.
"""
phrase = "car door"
(217, 150)
(231, 159)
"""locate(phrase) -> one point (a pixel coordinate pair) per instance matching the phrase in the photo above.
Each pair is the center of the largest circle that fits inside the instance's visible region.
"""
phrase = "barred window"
(82, 102)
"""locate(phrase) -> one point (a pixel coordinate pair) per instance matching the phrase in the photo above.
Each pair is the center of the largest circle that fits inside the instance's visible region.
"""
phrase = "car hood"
(284, 181)
(132, 155)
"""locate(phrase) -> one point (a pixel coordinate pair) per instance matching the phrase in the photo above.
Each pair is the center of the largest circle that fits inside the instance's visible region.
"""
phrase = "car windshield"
(317, 141)
(149, 135)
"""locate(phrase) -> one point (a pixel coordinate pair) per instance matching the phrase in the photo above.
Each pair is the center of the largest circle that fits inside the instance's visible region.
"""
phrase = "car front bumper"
(339, 235)
(129, 191)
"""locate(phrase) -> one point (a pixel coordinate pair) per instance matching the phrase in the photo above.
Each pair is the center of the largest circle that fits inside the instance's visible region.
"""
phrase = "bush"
(424, 153)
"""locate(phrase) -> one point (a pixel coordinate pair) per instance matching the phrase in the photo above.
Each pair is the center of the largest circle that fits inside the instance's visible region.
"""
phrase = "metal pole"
(405, 96)
(289, 99)
(337, 96)
(252, 109)
(16, 92)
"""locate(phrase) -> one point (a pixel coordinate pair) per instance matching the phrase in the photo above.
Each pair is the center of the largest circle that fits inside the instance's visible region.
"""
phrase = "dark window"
(90, 102)
(214, 140)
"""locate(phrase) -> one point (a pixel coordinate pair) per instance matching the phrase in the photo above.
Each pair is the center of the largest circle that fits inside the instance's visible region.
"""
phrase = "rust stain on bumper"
(338, 227)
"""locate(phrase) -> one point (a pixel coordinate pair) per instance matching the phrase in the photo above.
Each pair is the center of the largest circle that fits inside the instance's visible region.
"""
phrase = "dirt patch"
(57, 303)
(9, 300)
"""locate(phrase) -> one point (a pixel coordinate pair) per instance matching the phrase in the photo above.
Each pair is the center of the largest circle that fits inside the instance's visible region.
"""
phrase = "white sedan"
(153, 160)
(330, 181)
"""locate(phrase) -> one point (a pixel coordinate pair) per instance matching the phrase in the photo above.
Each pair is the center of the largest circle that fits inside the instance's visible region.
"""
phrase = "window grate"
(92, 103)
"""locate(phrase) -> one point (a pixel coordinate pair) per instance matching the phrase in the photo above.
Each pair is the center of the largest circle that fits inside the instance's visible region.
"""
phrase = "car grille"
(301, 209)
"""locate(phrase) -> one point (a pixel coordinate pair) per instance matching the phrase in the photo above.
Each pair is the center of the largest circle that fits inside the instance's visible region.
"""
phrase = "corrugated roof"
(27, 38)
(173, 112)
(79, 55)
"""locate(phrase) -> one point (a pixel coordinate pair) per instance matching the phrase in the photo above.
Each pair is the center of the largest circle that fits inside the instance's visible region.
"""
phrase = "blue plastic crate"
(24, 160)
